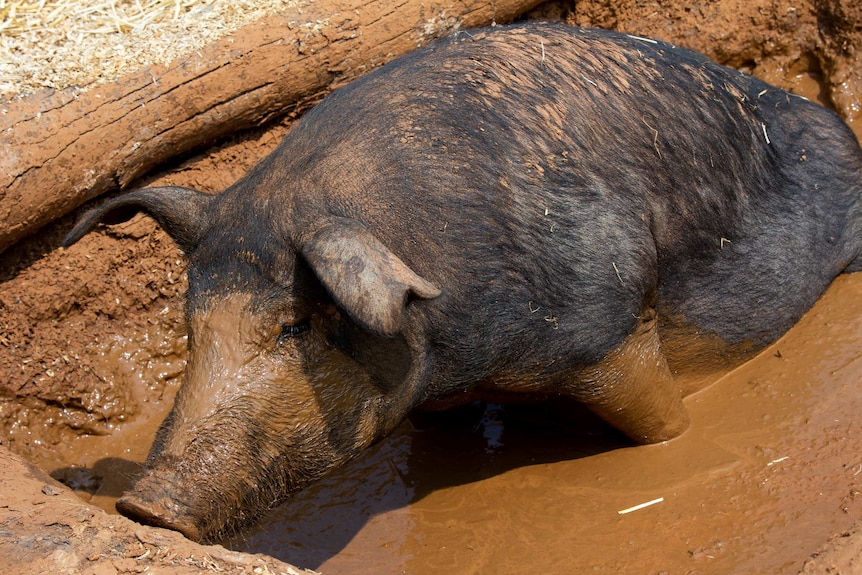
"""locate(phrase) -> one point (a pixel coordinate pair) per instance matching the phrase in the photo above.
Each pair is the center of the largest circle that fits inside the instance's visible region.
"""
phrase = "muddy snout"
(154, 502)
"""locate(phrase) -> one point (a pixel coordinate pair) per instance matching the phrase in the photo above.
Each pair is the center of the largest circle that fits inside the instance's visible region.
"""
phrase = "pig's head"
(298, 358)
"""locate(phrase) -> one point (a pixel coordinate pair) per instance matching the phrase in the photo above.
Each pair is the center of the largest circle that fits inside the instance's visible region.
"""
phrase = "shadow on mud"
(431, 452)
(109, 477)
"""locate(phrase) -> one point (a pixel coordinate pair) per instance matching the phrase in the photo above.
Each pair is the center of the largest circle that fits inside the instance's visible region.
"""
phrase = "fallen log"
(64, 148)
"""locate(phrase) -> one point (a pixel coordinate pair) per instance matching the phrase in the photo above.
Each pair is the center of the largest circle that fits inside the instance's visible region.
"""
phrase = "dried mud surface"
(92, 348)
(46, 529)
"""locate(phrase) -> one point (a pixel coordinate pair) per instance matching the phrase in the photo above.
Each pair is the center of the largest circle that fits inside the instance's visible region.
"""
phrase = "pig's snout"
(154, 503)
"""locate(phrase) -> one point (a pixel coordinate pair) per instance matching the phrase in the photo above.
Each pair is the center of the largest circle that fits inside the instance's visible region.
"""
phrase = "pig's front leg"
(633, 389)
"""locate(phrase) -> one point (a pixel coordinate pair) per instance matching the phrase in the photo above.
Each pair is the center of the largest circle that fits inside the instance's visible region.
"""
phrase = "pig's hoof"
(152, 513)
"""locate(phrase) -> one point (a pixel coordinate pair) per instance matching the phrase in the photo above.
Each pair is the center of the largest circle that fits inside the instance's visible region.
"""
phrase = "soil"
(92, 349)
(46, 529)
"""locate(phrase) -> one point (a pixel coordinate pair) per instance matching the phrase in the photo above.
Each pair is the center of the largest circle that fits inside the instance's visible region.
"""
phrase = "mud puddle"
(99, 466)
(768, 470)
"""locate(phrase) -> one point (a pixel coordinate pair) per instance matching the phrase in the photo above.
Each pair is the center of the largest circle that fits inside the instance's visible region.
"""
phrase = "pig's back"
(554, 181)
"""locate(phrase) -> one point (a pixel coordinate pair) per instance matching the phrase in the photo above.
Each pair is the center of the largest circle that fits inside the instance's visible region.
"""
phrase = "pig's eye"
(291, 330)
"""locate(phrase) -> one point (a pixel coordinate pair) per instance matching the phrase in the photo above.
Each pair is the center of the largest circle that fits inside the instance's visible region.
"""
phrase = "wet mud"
(765, 474)
(92, 350)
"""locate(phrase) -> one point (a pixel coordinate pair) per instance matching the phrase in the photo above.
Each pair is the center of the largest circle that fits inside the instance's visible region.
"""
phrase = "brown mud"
(92, 349)
(767, 472)
(47, 530)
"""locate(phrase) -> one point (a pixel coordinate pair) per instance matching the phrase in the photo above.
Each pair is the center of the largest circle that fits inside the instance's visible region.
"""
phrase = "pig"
(529, 211)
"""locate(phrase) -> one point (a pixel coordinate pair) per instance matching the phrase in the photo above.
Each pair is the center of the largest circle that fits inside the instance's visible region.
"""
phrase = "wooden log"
(61, 149)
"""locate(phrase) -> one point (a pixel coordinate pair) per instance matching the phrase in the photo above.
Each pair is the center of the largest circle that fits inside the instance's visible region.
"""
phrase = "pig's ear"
(366, 279)
(181, 212)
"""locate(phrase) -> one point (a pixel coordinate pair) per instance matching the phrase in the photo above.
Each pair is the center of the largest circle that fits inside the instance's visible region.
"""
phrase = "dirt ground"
(55, 532)
(92, 343)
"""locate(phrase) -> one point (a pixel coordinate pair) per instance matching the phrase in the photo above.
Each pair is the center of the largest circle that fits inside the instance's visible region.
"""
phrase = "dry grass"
(61, 43)
(19, 18)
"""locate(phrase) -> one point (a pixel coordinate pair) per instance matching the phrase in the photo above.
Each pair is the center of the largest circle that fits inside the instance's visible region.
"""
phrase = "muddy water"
(769, 469)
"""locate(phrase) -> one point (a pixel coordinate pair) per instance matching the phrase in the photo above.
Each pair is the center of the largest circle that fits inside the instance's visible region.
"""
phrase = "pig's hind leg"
(632, 388)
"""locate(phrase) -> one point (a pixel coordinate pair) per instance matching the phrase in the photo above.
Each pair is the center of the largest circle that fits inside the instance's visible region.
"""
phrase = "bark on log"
(60, 150)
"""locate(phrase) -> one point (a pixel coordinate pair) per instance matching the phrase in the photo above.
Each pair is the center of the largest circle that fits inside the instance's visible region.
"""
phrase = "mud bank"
(47, 529)
(92, 349)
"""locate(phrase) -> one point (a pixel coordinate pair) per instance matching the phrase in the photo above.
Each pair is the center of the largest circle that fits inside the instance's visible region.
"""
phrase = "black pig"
(535, 210)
